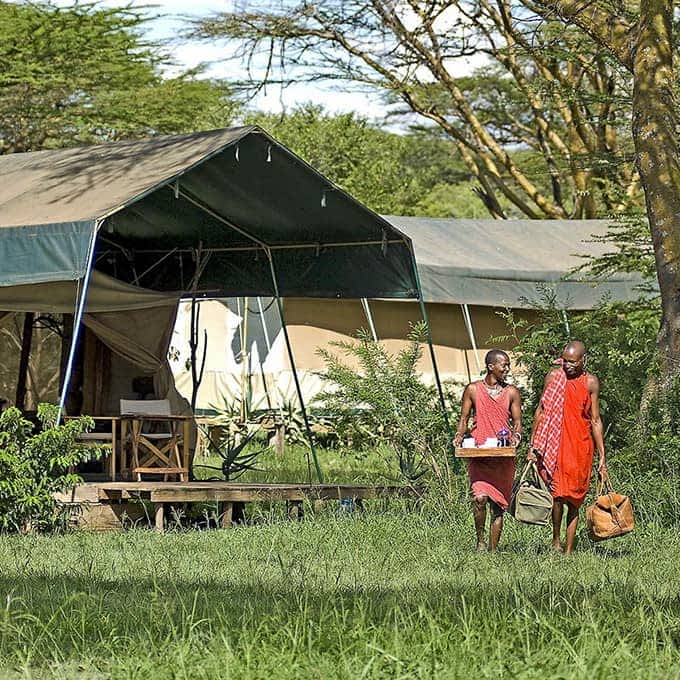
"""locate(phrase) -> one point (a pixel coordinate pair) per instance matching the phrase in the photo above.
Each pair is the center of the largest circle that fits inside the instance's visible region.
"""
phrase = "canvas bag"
(531, 501)
(611, 514)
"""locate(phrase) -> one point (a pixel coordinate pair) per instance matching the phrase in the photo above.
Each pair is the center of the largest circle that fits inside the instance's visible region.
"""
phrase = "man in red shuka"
(494, 404)
(566, 422)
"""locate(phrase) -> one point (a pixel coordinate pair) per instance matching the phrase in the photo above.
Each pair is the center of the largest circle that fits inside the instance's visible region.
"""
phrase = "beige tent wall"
(312, 324)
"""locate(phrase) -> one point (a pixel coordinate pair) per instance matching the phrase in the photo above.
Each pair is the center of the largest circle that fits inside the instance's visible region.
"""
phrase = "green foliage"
(35, 466)
(230, 445)
(620, 339)
(386, 396)
(393, 174)
(83, 73)
(633, 250)
(649, 465)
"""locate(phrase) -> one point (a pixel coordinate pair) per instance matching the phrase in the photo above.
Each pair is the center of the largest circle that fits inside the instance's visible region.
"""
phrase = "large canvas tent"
(225, 212)
(237, 194)
(470, 270)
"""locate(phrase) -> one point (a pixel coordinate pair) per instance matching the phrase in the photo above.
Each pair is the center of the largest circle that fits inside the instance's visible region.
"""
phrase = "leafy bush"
(649, 467)
(34, 466)
(386, 399)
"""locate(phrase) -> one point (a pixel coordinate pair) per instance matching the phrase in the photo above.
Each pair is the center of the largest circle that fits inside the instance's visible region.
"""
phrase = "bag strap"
(525, 471)
(604, 484)
(530, 467)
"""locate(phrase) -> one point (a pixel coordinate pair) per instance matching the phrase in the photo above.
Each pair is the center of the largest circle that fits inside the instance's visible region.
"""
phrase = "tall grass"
(379, 595)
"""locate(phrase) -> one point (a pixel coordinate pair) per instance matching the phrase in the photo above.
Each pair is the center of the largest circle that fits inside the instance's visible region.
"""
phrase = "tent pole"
(435, 369)
(471, 334)
(77, 319)
(267, 341)
(291, 358)
(369, 318)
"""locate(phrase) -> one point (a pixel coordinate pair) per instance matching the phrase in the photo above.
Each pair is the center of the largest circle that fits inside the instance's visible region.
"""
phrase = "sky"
(189, 54)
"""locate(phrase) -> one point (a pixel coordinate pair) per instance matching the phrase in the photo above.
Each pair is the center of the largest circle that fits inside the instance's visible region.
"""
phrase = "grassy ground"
(385, 594)
(296, 466)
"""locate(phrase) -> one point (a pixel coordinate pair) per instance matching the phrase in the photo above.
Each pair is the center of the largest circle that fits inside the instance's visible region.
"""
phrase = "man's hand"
(516, 439)
(602, 466)
(458, 439)
(531, 455)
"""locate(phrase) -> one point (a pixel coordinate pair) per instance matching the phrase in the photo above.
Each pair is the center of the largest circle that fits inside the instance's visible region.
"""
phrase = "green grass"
(385, 594)
(371, 467)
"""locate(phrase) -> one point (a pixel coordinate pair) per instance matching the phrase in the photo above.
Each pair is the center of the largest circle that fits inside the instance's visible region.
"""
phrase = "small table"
(157, 447)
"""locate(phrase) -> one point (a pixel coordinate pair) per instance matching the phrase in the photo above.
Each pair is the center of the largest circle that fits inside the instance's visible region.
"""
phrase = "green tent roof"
(502, 263)
(235, 195)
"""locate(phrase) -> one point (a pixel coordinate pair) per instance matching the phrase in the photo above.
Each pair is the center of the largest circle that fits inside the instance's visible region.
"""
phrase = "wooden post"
(279, 438)
(160, 517)
(225, 515)
(26, 339)
(66, 336)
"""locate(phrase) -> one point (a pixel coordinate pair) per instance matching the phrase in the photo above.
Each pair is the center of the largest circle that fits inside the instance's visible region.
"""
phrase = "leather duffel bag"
(611, 514)
(531, 500)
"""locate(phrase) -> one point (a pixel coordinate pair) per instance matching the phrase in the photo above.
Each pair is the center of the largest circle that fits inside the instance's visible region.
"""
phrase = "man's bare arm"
(466, 407)
(596, 421)
(516, 414)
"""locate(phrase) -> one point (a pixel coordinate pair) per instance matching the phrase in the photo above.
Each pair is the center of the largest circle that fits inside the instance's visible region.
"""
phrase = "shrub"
(386, 400)
(34, 466)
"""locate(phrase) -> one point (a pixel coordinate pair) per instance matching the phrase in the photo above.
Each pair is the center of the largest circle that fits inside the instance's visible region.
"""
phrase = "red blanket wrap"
(568, 469)
(491, 477)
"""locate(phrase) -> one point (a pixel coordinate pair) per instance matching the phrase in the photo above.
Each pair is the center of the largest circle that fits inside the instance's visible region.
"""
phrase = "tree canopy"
(587, 87)
(84, 73)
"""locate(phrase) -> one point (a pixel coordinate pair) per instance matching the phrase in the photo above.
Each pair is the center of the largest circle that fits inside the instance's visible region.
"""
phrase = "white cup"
(491, 442)
(469, 443)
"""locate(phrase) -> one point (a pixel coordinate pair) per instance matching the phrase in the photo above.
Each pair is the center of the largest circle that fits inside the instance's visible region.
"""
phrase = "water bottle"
(503, 437)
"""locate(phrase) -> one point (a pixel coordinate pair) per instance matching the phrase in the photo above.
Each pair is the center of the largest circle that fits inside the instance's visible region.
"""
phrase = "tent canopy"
(500, 263)
(229, 199)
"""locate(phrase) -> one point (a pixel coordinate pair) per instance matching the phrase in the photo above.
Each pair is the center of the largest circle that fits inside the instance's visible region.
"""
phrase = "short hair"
(495, 355)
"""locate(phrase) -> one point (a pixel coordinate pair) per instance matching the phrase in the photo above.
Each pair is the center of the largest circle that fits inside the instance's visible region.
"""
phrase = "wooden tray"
(478, 452)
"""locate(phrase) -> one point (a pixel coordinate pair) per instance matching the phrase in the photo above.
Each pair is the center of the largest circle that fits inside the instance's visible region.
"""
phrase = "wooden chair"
(155, 437)
(104, 435)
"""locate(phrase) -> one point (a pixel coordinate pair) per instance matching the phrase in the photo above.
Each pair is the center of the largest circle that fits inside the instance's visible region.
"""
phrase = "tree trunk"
(658, 159)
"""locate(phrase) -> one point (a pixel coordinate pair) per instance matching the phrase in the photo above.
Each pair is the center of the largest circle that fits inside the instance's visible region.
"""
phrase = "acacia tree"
(641, 38)
(553, 92)
(81, 74)
(570, 75)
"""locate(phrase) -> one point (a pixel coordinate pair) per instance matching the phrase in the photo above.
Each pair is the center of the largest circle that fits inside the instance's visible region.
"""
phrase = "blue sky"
(275, 99)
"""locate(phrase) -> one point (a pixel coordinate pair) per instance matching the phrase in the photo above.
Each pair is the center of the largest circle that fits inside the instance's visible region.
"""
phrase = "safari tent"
(113, 236)
(470, 272)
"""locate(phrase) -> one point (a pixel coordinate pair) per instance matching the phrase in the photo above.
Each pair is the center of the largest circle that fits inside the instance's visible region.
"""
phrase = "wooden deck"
(102, 504)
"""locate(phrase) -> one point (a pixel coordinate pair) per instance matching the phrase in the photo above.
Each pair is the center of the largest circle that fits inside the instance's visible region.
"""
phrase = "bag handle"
(604, 484)
(530, 467)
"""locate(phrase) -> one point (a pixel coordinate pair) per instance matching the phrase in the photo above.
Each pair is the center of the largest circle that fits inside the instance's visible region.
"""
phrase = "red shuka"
(571, 477)
(491, 477)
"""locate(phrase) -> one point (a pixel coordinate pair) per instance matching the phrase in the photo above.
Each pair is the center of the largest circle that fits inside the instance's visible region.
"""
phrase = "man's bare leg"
(496, 525)
(572, 523)
(557, 523)
(479, 513)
